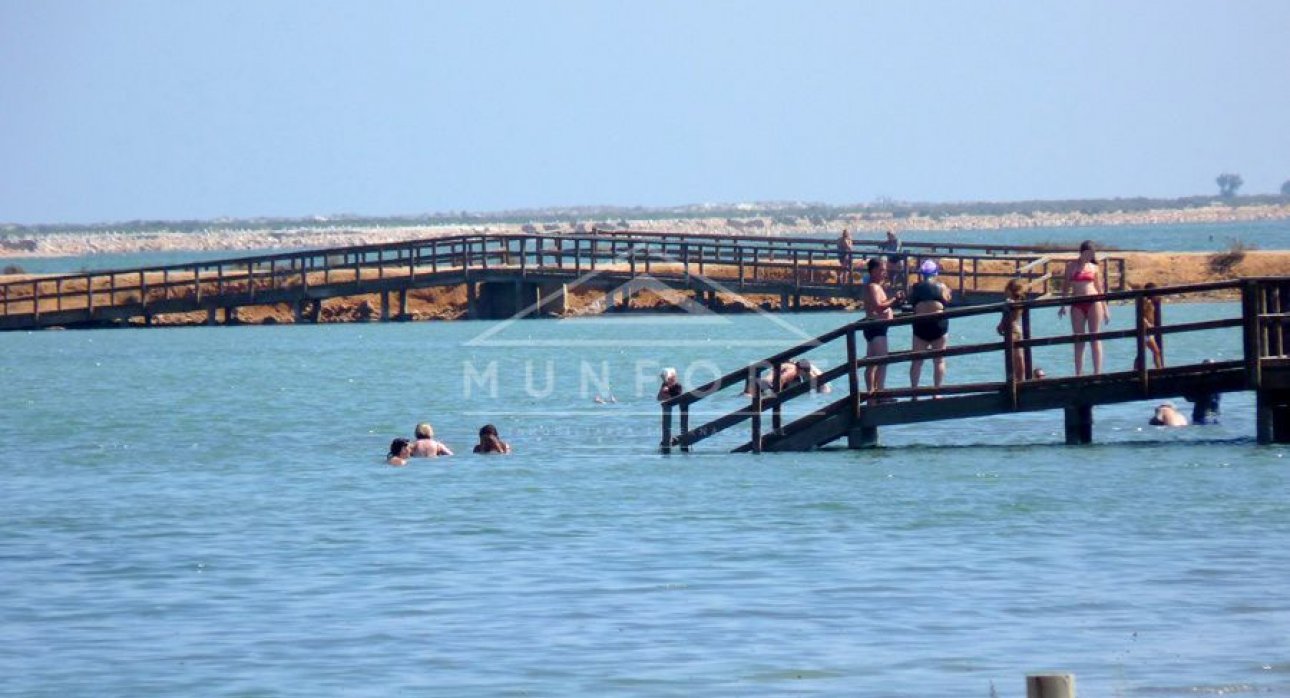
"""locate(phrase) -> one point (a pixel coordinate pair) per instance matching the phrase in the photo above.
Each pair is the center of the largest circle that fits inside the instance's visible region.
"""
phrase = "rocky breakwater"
(863, 223)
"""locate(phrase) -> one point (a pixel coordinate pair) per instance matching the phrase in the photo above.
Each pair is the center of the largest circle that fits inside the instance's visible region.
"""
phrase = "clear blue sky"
(114, 110)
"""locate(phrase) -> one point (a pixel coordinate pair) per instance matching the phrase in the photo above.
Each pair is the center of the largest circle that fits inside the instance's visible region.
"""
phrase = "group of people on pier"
(1082, 279)
(425, 445)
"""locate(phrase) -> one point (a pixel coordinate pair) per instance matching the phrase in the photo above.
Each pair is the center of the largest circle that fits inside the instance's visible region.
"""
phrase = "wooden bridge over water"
(1263, 325)
(505, 276)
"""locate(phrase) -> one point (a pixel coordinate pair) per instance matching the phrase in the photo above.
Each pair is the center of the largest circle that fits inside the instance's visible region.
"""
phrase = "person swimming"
(426, 446)
(490, 442)
(1167, 416)
(400, 452)
(670, 385)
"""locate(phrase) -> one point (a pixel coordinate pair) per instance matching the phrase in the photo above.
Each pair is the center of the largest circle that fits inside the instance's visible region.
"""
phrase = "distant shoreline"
(758, 223)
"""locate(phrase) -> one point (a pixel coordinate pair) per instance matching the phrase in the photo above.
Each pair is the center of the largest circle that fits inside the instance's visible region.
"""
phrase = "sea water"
(207, 511)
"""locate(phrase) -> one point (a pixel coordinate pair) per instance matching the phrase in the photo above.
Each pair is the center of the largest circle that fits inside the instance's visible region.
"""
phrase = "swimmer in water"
(490, 442)
(1167, 416)
(400, 452)
(426, 446)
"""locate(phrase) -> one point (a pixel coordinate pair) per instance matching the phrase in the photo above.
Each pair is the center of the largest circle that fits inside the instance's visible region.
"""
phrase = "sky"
(118, 110)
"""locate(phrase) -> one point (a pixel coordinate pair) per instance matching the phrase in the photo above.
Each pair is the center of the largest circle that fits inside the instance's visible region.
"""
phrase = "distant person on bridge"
(929, 296)
(877, 306)
(895, 259)
(845, 256)
(1087, 317)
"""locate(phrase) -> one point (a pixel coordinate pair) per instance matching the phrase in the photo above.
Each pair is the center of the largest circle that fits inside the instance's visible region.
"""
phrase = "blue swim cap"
(929, 268)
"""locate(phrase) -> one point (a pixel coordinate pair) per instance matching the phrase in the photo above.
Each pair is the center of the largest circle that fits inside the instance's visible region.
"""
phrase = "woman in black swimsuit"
(931, 334)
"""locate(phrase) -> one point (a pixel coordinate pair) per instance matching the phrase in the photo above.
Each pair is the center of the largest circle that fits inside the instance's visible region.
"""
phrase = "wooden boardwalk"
(523, 268)
(1263, 327)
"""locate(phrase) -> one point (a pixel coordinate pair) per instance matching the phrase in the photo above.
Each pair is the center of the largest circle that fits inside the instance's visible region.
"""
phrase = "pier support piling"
(1050, 686)
(1079, 425)
(862, 437)
(1272, 416)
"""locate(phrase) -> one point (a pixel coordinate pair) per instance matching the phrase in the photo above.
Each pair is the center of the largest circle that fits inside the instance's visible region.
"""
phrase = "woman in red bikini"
(1087, 317)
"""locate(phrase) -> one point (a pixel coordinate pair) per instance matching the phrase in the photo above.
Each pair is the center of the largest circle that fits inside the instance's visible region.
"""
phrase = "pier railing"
(1265, 366)
(797, 264)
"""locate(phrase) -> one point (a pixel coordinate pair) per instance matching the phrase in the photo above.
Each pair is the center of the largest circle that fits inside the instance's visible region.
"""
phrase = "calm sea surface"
(1198, 237)
(206, 511)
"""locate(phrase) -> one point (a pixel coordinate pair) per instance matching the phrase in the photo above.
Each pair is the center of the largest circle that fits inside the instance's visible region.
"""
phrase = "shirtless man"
(877, 306)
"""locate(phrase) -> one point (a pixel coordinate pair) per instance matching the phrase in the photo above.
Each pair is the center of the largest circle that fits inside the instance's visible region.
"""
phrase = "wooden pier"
(1263, 326)
(504, 276)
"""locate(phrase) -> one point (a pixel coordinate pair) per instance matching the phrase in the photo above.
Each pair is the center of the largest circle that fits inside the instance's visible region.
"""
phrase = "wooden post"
(862, 437)
(1079, 425)
(1140, 304)
(1252, 332)
(1025, 334)
(1050, 686)
(1272, 416)
(666, 444)
(756, 419)
(685, 262)
(776, 412)
(403, 304)
(685, 424)
(385, 306)
(472, 310)
(853, 375)
(1010, 359)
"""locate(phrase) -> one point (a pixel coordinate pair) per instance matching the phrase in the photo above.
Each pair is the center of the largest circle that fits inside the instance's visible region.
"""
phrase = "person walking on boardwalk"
(929, 296)
(1087, 317)
(845, 256)
(877, 306)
